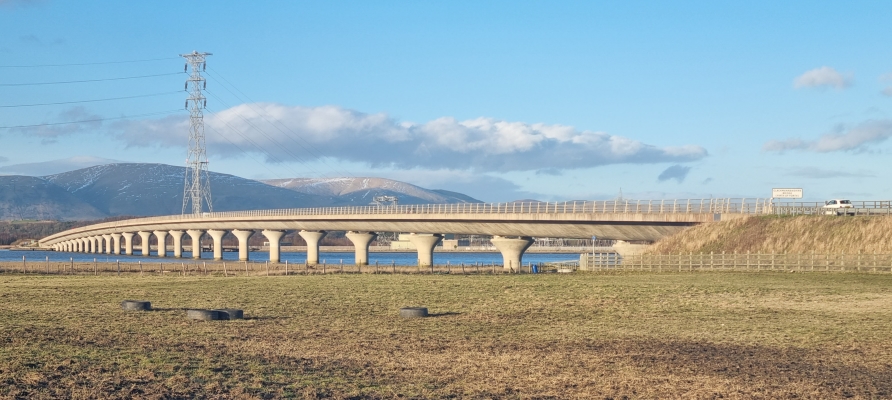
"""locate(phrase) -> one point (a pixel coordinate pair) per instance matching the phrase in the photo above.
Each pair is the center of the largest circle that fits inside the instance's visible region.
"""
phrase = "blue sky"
(498, 100)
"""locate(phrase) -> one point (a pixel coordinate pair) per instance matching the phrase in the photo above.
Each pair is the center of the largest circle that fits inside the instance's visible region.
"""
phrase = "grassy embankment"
(704, 335)
(803, 234)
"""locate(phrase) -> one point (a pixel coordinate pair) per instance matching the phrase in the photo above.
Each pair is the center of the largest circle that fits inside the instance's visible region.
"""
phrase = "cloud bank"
(822, 77)
(289, 133)
(857, 138)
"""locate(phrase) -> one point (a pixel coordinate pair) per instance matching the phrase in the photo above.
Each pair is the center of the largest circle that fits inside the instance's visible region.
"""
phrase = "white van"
(838, 207)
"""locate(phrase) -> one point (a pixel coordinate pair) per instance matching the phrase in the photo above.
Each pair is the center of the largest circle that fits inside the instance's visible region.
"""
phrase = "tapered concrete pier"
(274, 238)
(425, 244)
(361, 242)
(512, 250)
(243, 237)
(312, 238)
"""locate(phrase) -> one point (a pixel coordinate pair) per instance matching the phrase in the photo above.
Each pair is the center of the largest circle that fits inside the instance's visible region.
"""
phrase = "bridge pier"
(79, 243)
(312, 238)
(128, 243)
(217, 235)
(273, 237)
(144, 237)
(162, 242)
(512, 250)
(177, 243)
(116, 243)
(93, 244)
(195, 235)
(425, 245)
(243, 237)
(361, 242)
(107, 240)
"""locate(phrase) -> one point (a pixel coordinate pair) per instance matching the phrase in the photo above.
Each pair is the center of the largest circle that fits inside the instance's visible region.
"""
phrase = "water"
(399, 258)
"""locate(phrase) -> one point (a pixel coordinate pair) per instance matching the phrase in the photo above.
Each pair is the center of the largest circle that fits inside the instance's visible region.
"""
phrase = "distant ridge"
(140, 189)
(360, 191)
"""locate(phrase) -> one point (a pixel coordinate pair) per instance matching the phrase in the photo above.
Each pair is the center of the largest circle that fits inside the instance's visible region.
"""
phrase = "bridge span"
(512, 225)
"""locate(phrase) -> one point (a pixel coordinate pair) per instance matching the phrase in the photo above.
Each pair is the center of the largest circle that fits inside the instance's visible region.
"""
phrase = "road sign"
(786, 193)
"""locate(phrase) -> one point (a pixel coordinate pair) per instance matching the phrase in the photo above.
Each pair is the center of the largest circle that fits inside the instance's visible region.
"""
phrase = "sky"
(499, 100)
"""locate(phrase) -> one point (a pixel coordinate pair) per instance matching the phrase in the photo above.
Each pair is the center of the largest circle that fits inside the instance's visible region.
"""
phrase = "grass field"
(633, 335)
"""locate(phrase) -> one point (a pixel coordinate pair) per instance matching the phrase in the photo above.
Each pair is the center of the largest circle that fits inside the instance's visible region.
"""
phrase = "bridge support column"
(84, 245)
(80, 245)
(93, 244)
(128, 243)
(116, 243)
(144, 236)
(312, 238)
(217, 235)
(108, 244)
(162, 242)
(273, 237)
(512, 250)
(243, 237)
(177, 243)
(361, 242)
(195, 235)
(425, 245)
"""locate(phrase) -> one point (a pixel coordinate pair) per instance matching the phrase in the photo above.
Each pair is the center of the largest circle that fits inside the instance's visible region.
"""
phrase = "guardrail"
(688, 206)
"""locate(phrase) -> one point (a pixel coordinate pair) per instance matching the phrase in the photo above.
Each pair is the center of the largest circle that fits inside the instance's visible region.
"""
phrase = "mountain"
(55, 166)
(157, 189)
(26, 197)
(361, 191)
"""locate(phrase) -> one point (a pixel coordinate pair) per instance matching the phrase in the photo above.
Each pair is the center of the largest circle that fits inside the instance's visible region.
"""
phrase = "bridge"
(511, 225)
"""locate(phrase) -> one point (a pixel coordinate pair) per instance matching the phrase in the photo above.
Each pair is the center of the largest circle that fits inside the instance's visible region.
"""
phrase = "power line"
(91, 63)
(88, 80)
(308, 148)
(271, 139)
(85, 101)
(91, 120)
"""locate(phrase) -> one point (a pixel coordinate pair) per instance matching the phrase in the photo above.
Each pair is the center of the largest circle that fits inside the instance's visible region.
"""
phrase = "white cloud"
(63, 123)
(285, 133)
(855, 139)
(822, 77)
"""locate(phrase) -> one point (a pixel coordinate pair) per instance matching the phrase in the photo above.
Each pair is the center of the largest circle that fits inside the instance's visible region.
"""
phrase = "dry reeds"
(803, 234)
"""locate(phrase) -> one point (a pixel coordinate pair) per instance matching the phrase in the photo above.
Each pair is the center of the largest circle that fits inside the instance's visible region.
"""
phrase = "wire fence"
(872, 263)
(246, 268)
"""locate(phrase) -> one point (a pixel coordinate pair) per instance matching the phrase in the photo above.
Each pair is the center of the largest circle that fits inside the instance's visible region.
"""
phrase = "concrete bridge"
(512, 225)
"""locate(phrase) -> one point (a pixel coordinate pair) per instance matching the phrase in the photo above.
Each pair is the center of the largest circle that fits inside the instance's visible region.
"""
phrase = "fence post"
(267, 268)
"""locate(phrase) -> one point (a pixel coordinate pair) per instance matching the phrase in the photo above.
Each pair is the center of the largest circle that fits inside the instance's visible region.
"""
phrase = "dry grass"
(635, 335)
(803, 234)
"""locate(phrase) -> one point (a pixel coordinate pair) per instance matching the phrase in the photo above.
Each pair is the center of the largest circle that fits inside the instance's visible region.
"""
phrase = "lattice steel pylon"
(197, 188)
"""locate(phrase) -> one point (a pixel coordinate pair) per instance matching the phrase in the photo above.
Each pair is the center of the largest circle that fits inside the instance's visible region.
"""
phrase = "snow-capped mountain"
(157, 189)
(360, 191)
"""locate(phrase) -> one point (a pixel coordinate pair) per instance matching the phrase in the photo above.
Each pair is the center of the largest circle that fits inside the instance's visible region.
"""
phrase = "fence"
(240, 268)
(880, 263)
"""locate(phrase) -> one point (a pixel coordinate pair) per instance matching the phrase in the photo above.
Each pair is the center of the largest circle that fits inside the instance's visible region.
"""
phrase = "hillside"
(802, 234)
(360, 191)
(157, 189)
(30, 198)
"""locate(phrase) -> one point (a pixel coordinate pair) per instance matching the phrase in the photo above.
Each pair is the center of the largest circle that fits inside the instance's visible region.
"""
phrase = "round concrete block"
(230, 313)
(413, 312)
(136, 305)
(203, 315)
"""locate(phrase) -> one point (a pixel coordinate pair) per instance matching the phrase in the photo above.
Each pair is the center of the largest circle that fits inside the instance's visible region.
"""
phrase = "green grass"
(641, 335)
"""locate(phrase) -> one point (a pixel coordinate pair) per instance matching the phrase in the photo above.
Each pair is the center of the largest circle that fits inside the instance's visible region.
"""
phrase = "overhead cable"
(88, 80)
(92, 120)
(90, 63)
(86, 101)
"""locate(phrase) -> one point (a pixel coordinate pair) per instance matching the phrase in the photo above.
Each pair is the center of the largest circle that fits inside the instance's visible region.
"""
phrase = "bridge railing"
(687, 206)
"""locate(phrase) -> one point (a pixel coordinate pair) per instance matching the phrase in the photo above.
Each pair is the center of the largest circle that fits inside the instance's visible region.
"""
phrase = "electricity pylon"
(197, 189)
